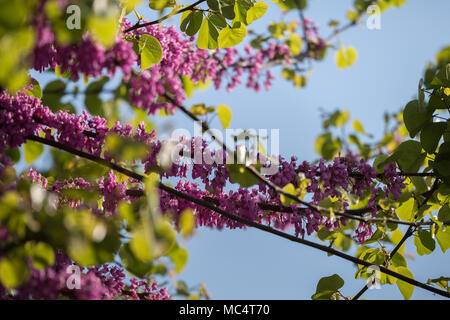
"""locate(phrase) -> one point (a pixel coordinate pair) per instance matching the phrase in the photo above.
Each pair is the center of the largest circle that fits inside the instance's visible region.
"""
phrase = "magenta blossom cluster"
(85, 58)
(160, 86)
(228, 64)
(108, 187)
(315, 42)
(22, 115)
(95, 283)
(343, 175)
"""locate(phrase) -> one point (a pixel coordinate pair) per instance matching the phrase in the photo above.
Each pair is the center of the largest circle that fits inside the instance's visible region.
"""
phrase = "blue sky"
(250, 264)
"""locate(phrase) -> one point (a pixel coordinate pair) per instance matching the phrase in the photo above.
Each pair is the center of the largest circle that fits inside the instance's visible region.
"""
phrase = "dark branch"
(236, 218)
(141, 25)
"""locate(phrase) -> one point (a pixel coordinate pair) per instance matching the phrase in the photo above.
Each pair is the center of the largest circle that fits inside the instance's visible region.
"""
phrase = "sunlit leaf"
(257, 11)
(346, 57)
(224, 114)
(150, 50)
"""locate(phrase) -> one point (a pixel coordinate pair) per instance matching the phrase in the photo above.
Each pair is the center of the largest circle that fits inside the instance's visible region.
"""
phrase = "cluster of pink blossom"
(112, 191)
(90, 59)
(109, 188)
(44, 53)
(95, 283)
(179, 59)
(22, 115)
(345, 174)
(315, 42)
(86, 57)
(161, 86)
(182, 58)
(213, 174)
(25, 115)
(243, 203)
(16, 118)
(231, 65)
(204, 217)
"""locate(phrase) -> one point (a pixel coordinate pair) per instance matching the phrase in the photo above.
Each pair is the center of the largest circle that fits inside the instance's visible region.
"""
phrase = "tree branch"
(236, 218)
(141, 25)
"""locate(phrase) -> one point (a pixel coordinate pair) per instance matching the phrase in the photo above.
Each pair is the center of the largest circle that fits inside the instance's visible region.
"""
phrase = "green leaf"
(241, 8)
(80, 194)
(398, 260)
(92, 100)
(182, 288)
(443, 238)
(324, 295)
(431, 134)
(36, 91)
(209, 31)
(32, 150)
(331, 203)
(289, 188)
(325, 234)
(358, 126)
(187, 222)
(441, 282)
(409, 156)
(225, 7)
(379, 162)
(191, 22)
(134, 265)
(407, 210)
(124, 149)
(230, 37)
(415, 117)
(179, 257)
(129, 5)
(337, 119)
(65, 74)
(13, 154)
(141, 246)
(41, 253)
(424, 243)
(104, 28)
(327, 286)
(13, 272)
(444, 213)
(327, 146)
(164, 236)
(257, 11)
(150, 50)
(160, 4)
(53, 92)
(352, 15)
(346, 57)
(396, 237)
(442, 79)
(225, 115)
(405, 288)
(241, 176)
(295, 44)
(442, 166)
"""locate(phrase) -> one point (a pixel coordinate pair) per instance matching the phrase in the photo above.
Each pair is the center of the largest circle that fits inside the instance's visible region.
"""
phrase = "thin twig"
(141, 25)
